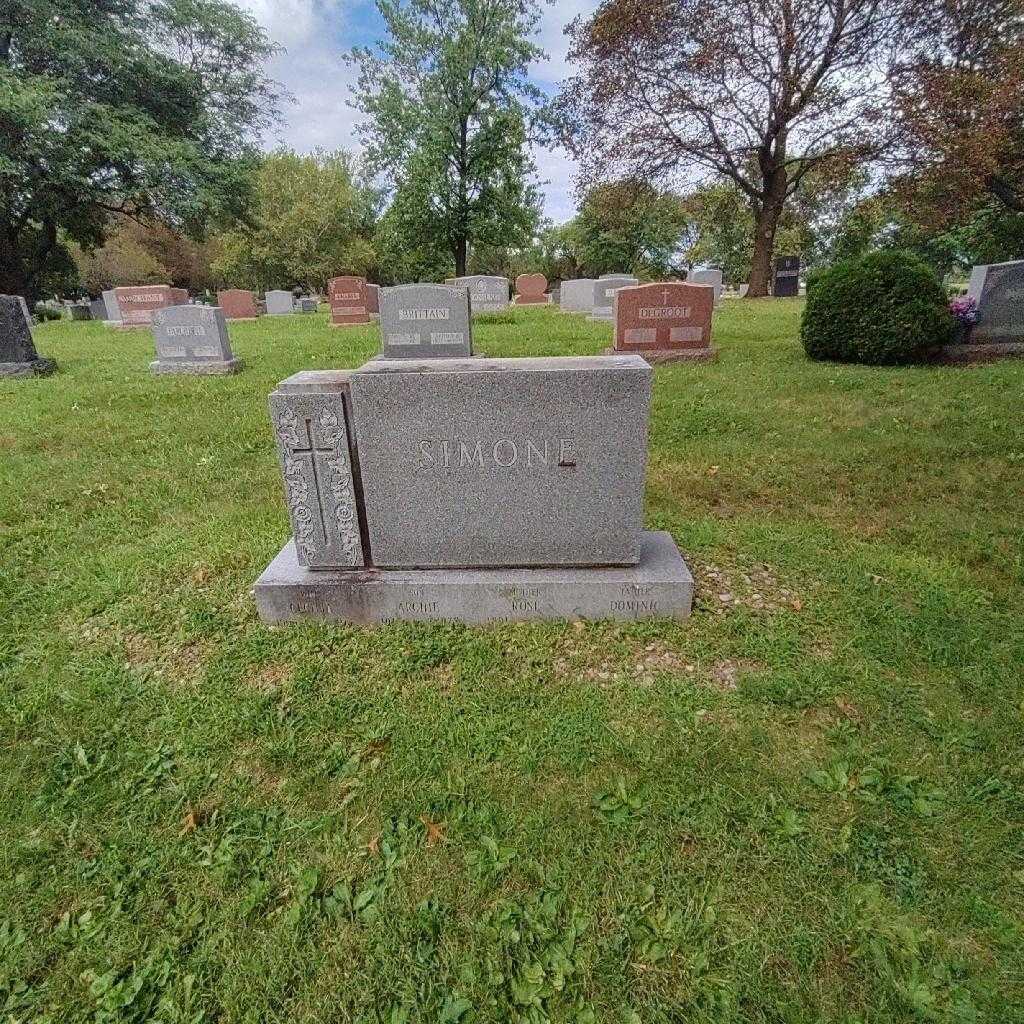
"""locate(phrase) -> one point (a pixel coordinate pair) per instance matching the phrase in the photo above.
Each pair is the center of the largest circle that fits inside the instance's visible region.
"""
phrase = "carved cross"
(664, 296)
(313, 450)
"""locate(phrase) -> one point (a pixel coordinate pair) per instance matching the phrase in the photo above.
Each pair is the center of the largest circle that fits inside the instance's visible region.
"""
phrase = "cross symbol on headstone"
(664, 296)
(312, 450)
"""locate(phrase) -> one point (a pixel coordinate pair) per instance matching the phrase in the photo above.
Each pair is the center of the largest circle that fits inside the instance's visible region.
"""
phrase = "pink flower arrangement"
(965, 309)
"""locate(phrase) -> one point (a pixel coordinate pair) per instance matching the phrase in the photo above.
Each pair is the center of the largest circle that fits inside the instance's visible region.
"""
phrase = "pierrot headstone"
(787, 277)
(605, 287)
(280, 303)
(348, 300)
(193, 340)
(665, 322)
(531, 290)
(238, 304)
(138, 304)
(18, 355)
(577, 295)
(425, 321)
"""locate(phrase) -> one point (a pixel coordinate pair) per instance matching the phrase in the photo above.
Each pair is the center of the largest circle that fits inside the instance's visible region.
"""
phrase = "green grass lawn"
(805, 804)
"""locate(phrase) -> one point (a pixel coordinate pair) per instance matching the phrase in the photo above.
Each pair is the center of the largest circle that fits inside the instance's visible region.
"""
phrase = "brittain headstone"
(577, 295)
(348, 300)
(531, 290)
(18, 355)
(238, 304)
(193, 340)
(787, 277)
(280, 303)
(138, 303)
(425, 321)
(665, 322)
(605, 287)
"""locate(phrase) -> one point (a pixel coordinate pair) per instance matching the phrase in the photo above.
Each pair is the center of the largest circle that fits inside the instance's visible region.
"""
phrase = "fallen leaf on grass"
(435, 830)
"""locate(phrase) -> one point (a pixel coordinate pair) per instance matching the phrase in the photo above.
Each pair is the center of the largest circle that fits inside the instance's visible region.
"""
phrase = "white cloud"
(314, 72)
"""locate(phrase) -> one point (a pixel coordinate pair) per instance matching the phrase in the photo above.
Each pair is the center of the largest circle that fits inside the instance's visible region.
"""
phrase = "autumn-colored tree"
(758, 92)
(959, 94)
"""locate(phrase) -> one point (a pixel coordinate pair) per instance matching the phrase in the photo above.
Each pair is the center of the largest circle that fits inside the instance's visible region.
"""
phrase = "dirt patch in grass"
(722, 589)
(270, 677)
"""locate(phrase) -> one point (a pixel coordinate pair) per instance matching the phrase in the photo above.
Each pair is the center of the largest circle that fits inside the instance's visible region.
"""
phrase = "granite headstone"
(18, 355)
(998, 290)
(238, 304)
(193, 340)
(577, 295)
(665, 322)
(419, 321)
(138, 303)
(605, 287)
(113, 310)
(531, 290)
(373, 300)
(348, 300)
(713, 277)
(280, 303)
(487, 293)
(787, 277)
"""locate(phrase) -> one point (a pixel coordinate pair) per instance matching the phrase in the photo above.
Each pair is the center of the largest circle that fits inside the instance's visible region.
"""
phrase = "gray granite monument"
(603, 304)
(308, 305)
(475, 490)
(113, 310)
(98, 309)
(18, 355)
(193, 340)
(487, 293)
(715, 278)
(425, 321)
(998, 289)
(577, 295)
(280, 303)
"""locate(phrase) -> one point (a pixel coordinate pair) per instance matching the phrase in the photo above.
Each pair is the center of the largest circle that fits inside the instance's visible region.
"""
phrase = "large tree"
(149, 108)
(311, 218)
(448, 107)
(758, 92)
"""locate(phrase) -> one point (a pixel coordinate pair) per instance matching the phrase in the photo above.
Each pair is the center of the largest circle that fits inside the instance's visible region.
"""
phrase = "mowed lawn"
(805, 804)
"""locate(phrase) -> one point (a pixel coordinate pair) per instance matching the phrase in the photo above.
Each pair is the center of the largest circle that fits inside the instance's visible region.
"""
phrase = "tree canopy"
(150, 108)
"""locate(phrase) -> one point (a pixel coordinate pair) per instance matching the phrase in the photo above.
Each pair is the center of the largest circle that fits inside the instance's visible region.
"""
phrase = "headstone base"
(197, 367)
(36, 368)
(686, 355)
(661, 586)
(112, 323)
(360, 323)
(984, 352)
(525, 300)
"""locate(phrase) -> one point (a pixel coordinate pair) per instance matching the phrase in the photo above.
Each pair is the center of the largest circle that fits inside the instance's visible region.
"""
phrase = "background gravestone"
(238, 304)
(531, 290)
(192, 340)
(425, 321)
(998, 289)
(138, 303)
(712, 277)
(603, 305)
(373, 301)
(97, 309)
(18, 355)
(577, 296)
(787, 277)
(113, 310)
(487, 293)
(80, 311)
(308, 305)
(665, 322)
(280, 303)
(348, 300)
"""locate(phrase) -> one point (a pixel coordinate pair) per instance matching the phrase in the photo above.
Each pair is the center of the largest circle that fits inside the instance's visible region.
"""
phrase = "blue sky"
(316, 33)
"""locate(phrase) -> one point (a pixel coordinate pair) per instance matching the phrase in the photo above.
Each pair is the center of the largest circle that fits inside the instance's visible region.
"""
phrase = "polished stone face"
(280, 303)
(238, 304)
(604, 294)
(503, 462)
(191, 333)
(425, 321)
(663, 317)
(998, 289)
(373, 298)
(577, 296)
(787, 277)
(714, 278)
(348, 300)
(16, 345)
(113, 309)
(137, 304)
(532, 290)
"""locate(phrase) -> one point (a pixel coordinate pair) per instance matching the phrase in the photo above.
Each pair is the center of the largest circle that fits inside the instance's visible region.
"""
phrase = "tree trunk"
(14, 279)
(767, 214)
(461, 249)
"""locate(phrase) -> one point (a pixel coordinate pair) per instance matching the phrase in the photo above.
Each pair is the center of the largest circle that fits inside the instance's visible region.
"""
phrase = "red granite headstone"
(666, 317)
(373, 299)
(139, 302)
(348, 300)
(238, 304)
(531, 290)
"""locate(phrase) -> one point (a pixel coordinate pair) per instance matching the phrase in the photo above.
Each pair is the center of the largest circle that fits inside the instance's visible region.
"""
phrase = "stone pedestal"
(658, 358)
(35, 368)
(660, 586)
(197, 367)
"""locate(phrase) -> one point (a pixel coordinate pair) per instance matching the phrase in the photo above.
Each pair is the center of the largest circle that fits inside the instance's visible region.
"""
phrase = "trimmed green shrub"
(883, 309)
(45, 312)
